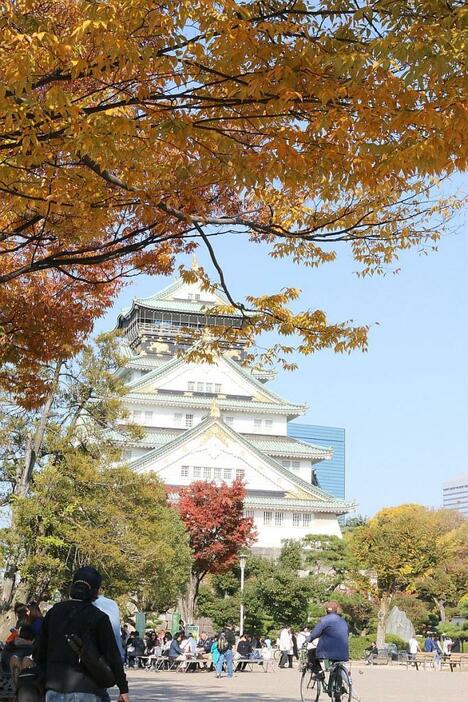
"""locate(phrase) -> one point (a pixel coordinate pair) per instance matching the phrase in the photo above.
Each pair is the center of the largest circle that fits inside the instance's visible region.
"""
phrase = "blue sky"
(404, 402)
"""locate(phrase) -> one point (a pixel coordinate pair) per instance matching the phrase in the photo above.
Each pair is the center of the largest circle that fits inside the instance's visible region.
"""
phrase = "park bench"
(452, 661)
(423, 659)
(250, 662)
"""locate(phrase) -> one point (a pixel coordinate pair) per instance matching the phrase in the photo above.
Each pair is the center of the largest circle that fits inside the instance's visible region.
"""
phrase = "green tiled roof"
(164, 300)
(285, 446)
(333, 505)
(289, 410)
(274, 446)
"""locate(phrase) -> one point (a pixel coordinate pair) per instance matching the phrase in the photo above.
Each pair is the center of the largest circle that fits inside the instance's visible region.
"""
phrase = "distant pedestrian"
(413, 648)
(429, 644)
(302, 636)
(372, 652)
(286, 647)
(224, 644)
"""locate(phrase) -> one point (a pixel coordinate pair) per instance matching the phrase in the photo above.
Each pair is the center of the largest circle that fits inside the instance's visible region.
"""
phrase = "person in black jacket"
(66, 680)
(244, 649)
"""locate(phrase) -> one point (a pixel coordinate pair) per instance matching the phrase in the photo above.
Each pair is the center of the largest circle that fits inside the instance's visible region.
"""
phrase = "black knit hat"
(88, 576)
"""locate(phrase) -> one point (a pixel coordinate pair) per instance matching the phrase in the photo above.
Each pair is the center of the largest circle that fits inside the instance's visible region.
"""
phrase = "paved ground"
(376, 684)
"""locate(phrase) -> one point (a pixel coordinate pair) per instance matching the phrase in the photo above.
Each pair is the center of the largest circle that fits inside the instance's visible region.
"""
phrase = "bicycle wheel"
(340, 685)
(310, 686)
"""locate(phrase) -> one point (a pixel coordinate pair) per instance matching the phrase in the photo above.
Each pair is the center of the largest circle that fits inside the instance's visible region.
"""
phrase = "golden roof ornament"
(214, 411)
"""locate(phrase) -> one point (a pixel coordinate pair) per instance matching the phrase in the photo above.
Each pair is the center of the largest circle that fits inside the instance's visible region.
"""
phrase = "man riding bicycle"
(332, 632)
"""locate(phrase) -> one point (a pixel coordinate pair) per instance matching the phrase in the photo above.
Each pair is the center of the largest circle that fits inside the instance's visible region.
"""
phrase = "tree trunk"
(23, 482)
(382, 614)
(441, 607)
(188, 603)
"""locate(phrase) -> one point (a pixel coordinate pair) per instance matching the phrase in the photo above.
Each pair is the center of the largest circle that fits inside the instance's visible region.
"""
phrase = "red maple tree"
(214, 518)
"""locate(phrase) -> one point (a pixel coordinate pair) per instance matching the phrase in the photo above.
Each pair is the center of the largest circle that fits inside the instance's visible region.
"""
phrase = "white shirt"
(301, 637)
(111, 608)
(285, 640)
(413, 645)
(446, 645)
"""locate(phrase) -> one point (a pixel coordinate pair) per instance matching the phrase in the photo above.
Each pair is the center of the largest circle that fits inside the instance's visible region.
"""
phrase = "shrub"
(358, 645)
(400, 643)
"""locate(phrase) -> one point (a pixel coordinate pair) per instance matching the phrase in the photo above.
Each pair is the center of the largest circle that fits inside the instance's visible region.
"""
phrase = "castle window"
(189, 420)
(200, 387)
(191, 386)
(148, 416)
(267, 518)
(209, 387)
(257, 423)
(206, 473)
(306, 520)
(184, 472)
(295, 464)
(229, 420)
(240, 474)
(227, 474)
(217, 387)
(278, 518)
(197, 472)
(296, 519)
(268, 423)
(217, 473)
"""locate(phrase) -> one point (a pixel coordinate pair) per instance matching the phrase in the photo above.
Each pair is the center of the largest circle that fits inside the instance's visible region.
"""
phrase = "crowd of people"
(216, 653)
(441, 647)
(79, 649)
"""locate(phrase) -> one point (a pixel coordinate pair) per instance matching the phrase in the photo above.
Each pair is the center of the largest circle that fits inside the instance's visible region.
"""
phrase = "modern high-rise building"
(455, 494)
(220, 421)
(330, 473)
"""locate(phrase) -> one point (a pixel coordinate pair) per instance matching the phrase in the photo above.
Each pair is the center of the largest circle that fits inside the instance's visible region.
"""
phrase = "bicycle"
(338, 685)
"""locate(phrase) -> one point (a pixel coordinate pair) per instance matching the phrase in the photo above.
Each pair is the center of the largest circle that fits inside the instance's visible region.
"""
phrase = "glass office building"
(330, 473)
(455, 494)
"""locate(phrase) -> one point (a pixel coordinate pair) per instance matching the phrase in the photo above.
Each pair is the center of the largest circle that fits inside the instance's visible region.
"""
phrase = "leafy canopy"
(214, 518)
(402, 544)
(132, 131)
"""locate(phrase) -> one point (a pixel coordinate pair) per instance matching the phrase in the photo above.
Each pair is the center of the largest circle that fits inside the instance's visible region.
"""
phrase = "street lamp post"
(242, 561)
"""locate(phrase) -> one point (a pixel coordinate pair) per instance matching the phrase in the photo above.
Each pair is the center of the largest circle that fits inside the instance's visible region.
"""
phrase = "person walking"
(286, 647)
(66, 677)
(413, 648)
(429, 644)
(225, 643)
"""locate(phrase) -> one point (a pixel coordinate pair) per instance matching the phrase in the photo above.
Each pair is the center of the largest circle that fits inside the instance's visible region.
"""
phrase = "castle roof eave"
(139, 463)
(333, 506)
(223, 403)
(274, 446)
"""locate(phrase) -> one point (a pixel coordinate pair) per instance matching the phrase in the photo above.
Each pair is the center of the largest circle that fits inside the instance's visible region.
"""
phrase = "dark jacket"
(230, 637)
(175, 649)
(332, 632)
(62, 669)
(244, 648)
(138, 644)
